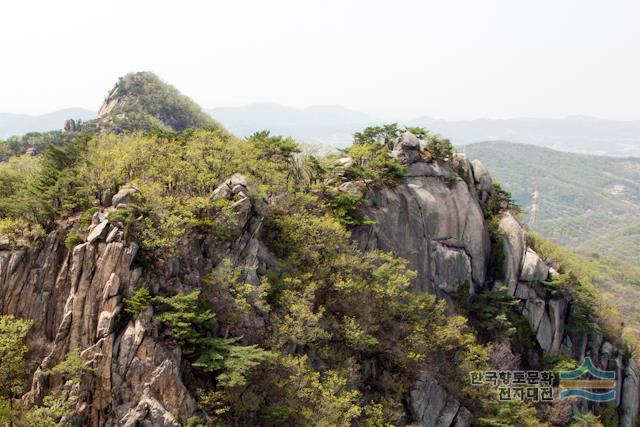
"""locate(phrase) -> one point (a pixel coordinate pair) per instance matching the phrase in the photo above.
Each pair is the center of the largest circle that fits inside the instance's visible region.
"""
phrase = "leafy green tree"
(59, 404)
(72, 240)
(373, 164)
(441, 149)
(183, 314)
(13, 374)
(232, 362)
(345, 207)
(139, 301)
(586, 420)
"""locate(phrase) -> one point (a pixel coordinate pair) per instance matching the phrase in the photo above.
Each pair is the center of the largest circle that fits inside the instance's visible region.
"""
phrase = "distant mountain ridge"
(578, 134)
(326, 125)
(18, 124)
(334, 126)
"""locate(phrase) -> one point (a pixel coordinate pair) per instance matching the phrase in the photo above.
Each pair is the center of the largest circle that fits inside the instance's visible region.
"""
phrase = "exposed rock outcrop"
(434, 218)
(76, 301)
(432, 406)
(439, 228)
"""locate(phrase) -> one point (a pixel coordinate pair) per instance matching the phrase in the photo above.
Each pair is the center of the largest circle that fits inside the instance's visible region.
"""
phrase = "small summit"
(142, 101)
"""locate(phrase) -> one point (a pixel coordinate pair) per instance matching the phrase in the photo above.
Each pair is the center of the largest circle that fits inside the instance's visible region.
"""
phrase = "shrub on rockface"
(575, 282)
(13, 373)
(73, 239)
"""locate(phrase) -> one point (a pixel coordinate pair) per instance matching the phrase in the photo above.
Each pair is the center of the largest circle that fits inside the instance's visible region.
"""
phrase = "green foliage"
(324, 400)
(50, 414)
(497, 256)
(190, 325)
(152, 103)
(274, 148)
(13, 333)
(12, 228)
(384, 136)
(499, 201)
(440, 148)
(35, 142)
(72, 240)
(346, 206)
(127, 217)
(609, 416)
(177, 174)
(509, 414)
(373, 164)
(139, 301)
(16, 177)
(71, 368)
(234, 362)
(558, 364)
(317, 309)
(586, 420)
(497, 316)
(451, 181)
(187, 321)
(58, 188)
(85, 218)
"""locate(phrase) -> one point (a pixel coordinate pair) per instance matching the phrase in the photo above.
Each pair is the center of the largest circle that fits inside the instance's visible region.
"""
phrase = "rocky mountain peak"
(139, 101)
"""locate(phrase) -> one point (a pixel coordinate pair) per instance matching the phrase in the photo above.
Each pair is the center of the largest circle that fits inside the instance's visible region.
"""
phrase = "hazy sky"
(447, 59)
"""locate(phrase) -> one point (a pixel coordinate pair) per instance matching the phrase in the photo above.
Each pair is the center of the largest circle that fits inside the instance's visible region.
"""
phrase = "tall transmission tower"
(535, 204)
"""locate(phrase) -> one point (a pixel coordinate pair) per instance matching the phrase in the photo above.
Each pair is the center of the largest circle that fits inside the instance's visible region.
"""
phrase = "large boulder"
(484, 183)
(407, 148)
(237, 184)
(124, 196)
(533, 268)
(98, 232)
(5, 243)
(514, 240)
(432, 406)
(451, 268)
(630, 395)
(422, 216)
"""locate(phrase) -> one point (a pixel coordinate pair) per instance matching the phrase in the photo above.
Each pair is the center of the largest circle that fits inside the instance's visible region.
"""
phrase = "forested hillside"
(157, 270)
(589, 203)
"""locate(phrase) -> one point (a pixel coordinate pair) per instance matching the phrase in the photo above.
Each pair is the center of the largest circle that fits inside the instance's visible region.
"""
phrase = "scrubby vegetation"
(147, 103)
(589, 311)
(331, 335)
(33, 142)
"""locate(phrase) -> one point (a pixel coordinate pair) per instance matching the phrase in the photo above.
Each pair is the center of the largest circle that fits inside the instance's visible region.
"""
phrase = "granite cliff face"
(75, 300)
(434, 219)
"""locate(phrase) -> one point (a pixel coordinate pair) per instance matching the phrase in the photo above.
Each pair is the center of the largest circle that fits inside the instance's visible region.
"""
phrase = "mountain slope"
(587, 203)
(141, 101)
(590, 203)
(195, 278)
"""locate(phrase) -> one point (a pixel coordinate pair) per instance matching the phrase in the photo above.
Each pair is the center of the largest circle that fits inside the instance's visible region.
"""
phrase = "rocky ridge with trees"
(173, 274)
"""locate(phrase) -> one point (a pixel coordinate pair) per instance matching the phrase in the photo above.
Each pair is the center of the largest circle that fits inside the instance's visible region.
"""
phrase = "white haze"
(456, 59)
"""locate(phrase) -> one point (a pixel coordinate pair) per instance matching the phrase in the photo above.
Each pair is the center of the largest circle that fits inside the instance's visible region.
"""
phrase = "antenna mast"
(535, 204)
